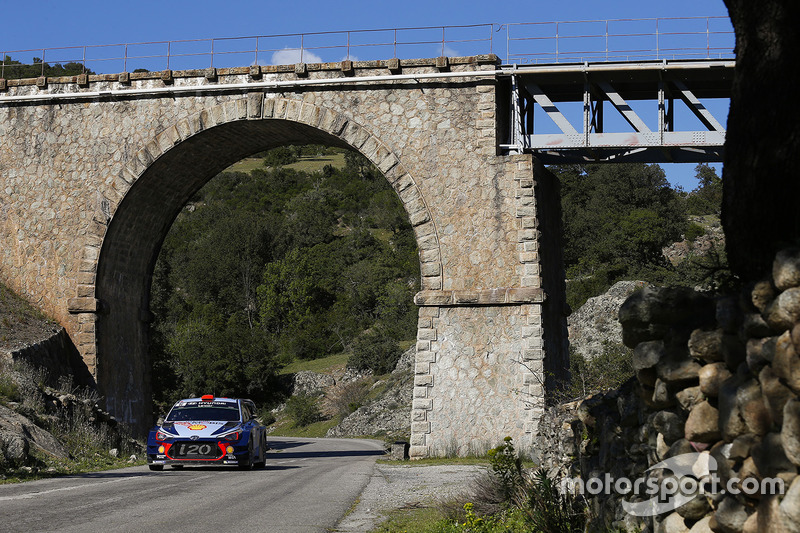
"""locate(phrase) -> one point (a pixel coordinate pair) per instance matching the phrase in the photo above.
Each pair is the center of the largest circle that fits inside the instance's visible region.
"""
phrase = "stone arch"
(137, 207)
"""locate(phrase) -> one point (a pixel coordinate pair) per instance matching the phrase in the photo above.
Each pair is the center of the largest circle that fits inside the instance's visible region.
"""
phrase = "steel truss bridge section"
(611, 130)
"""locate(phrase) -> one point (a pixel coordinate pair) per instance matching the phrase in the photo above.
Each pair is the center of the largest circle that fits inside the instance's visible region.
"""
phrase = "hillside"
(20, 323)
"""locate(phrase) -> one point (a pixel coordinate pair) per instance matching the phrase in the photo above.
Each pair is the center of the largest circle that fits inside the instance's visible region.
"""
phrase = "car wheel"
(262, 450)
(247, 462)
(156, 467)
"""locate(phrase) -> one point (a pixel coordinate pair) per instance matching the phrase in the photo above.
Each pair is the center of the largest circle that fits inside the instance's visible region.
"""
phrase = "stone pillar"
(483, 355)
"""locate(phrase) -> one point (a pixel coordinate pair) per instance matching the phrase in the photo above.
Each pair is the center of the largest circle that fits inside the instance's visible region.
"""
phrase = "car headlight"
(163, 435)
(233, 436)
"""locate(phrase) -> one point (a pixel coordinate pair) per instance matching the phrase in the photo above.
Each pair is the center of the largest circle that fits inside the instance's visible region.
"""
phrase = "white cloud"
(449, 52)
(290, 56)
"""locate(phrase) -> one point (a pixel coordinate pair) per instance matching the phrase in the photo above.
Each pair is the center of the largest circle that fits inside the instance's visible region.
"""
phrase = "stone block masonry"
(90, 185)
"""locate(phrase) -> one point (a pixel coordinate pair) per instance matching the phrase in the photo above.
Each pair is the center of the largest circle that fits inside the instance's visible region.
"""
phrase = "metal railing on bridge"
(515, 43)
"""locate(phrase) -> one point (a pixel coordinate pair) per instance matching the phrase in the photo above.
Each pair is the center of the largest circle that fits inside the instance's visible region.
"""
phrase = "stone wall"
(717, 377)
(58, 357)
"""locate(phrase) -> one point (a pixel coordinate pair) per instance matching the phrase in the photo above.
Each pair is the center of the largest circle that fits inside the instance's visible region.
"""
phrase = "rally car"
(208, 431)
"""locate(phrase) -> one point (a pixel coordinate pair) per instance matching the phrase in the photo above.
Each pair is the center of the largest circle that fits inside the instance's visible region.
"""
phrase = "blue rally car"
(208, 431)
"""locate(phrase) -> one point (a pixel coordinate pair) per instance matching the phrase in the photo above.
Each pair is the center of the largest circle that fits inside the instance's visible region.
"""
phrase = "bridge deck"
(559, 112)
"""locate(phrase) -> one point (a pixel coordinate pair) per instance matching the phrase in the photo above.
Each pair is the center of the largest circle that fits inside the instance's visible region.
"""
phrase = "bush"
(608, 370)
(346, 398)
(304, 409)
(694, 231)
(280, 156)
(548, 510)
(374, 351)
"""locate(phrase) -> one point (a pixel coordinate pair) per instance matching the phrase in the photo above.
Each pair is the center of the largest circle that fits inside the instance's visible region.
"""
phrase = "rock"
(741, 446)
(731, 423)
(755, 326)
(702, 526)
(702, 425)
(769, 456)
(670, 425)
(689, 397)
(706, 345)
(674, 305)
(694, 509)
(786, 269)
(113, 452)
(648, 354)
(308, 382)
(673, 523)
(762, 295)
(661, 396)
(15, 423)
(752, 408)
(595, 325)
(782, 313)
(789, 508)
(678, 370)
(711, 378)
(730, 516)
(786, 363)
(775, 393)
(790, 432)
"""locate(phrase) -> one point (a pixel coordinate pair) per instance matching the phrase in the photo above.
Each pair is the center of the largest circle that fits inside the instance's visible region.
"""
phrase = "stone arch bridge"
(94, 169)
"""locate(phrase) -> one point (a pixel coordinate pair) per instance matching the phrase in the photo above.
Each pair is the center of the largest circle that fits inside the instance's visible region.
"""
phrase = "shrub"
(282, 155)
(374, 351)
(548, 510)
(346, 398)
(694, 231)
(304, 409)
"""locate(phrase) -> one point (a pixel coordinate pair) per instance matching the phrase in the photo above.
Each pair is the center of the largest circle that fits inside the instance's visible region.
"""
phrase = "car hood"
(199, 428)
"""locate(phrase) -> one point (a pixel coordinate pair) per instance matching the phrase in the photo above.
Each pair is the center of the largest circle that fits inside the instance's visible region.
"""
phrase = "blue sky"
(61, 23)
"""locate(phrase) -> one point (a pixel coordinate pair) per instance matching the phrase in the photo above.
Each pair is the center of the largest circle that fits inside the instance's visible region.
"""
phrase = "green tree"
(706, 199)
(616, 220)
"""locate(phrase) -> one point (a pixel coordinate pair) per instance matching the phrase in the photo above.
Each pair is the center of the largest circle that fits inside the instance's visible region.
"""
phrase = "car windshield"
(221, 411)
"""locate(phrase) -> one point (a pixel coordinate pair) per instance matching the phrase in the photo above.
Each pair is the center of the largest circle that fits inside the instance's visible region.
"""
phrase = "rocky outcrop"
(716, 378)
(388, 415)
(595, 324)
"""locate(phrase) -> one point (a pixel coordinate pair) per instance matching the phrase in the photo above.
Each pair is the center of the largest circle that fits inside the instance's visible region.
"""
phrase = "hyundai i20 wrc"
(208, 431)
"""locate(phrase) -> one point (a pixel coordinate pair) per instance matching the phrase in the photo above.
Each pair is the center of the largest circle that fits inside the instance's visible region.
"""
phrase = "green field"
(307, 163)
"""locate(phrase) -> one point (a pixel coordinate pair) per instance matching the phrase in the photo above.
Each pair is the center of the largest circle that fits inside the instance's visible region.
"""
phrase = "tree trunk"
(761, 204)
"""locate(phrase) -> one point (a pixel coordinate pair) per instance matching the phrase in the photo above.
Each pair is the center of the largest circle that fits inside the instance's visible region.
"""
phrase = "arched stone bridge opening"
(85, 207)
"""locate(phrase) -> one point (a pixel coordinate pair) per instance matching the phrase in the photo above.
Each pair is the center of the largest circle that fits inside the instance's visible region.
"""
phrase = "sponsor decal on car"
(197, 427)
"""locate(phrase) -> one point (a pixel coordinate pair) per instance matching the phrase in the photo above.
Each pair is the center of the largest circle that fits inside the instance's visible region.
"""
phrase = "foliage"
(273, 266)
(609, 370)
(282, 155)
(304, 409)
(506, 467)
(13, 69)
(617, 219)
(707, 197)
(374, 350)
(548, 510)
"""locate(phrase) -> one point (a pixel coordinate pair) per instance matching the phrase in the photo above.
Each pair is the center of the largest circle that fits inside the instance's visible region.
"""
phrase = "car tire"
(262, 449)
(156, 467)
(247, 462)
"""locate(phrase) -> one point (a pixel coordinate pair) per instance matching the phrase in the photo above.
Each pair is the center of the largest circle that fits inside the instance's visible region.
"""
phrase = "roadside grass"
(416, 519)
(285, 427)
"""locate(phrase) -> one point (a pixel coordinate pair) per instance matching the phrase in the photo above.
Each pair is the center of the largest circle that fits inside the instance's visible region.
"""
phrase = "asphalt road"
(307, 486)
